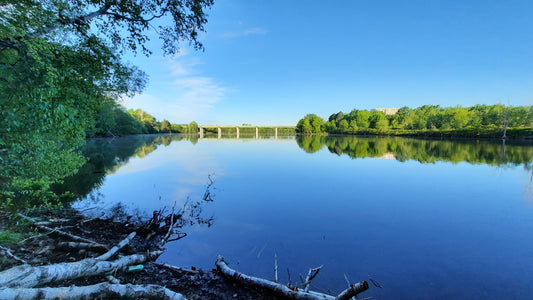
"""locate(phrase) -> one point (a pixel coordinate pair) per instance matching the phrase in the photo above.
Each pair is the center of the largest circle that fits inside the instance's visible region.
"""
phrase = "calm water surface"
(425, 219)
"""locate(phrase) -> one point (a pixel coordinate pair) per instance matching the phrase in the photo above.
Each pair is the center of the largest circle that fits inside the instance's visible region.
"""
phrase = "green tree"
(353, 126)
(362, 118)
(177, 128)
(460, 117)
(310, 124)
(330, 126)
(382, 124)
(304, 126)
(376, 117)
(58, 64)
(317, 123)
(165, 126)
(344, 125)
(193, 127)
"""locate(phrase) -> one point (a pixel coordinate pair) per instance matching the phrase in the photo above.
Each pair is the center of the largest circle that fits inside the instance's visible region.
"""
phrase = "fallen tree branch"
(178, 269)
(28, 276)
(115, 249)
(57, 231)
(8, 252)
(94, 218)
(81, 245)
(96, 291)
(283, 290)
(310, 275)
(112, 279)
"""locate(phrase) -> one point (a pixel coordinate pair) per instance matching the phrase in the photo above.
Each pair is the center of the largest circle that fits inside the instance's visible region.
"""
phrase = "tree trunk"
(97, 291)
(28, 276)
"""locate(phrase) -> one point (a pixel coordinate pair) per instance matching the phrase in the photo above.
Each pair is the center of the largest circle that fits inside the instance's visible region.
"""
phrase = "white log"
(97, 291)
(283, 290)
(115, 249)
(353, 290)
(28, 276)
(81, 245)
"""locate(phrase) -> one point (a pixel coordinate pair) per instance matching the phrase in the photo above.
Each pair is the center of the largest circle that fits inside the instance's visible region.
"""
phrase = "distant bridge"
(203, 128)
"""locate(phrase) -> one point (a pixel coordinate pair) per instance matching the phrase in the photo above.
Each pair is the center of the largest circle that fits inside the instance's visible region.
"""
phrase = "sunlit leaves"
(59, 67)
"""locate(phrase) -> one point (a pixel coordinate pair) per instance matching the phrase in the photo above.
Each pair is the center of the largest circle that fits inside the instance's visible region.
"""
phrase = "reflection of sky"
(167, 175)
(421, 230)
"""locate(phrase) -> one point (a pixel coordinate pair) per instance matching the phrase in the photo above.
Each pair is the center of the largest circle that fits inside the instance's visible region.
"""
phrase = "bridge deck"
(247, 126)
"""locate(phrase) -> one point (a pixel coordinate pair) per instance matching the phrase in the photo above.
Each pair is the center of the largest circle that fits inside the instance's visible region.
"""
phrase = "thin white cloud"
(203, 89)
(179, 108)
(184, 95)
(245, 32)
(178, 65)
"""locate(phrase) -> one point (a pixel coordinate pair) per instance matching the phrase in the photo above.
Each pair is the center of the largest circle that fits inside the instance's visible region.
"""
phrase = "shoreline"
(65, 258)
(45, 248)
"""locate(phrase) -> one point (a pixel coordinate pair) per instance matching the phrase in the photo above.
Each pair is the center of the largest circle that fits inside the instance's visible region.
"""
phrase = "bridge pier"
(276, 133)
(201, 132)
(219, 133)
(238, 132)
(256, 133)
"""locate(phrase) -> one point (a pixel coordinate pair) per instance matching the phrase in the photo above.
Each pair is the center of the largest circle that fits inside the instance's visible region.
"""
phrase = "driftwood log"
(283, 290)
(19, 282)
(37, 282)
(96, 291)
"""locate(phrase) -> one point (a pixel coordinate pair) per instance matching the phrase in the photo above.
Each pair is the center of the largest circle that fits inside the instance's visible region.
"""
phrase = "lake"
(426, 219)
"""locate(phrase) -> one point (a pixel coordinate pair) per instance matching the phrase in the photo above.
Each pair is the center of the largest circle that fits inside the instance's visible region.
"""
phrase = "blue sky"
(272, 62)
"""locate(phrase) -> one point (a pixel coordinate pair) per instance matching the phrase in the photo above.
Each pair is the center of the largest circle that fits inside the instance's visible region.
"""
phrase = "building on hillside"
(387, 111)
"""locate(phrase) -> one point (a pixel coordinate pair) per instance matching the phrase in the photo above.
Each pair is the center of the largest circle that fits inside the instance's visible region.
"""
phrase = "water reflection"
(411, 220)
(106, 156)
(492, 153)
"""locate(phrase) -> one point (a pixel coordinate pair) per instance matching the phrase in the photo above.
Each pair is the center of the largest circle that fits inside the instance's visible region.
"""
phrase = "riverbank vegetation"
(62, 74)
(483, 121)
(112, 119)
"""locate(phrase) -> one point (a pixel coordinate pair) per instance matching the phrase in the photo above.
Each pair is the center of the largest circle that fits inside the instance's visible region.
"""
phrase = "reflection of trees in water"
(311, 143)
(492, 153)
(105, 156)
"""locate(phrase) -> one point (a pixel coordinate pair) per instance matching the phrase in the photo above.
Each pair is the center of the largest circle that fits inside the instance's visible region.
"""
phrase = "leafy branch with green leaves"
(60, 63)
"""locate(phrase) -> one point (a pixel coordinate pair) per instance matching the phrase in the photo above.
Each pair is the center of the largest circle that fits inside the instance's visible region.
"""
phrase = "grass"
(8, 237)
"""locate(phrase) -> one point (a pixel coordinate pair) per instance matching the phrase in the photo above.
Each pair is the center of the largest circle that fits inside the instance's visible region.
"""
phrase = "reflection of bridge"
(203, 128)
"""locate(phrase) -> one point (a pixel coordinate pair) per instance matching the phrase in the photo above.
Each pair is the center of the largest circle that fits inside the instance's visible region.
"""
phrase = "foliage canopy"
(61, 70)
(476, 120)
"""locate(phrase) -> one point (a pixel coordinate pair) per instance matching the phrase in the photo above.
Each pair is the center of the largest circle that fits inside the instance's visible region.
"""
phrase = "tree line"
(428, 118)
(112, 119)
